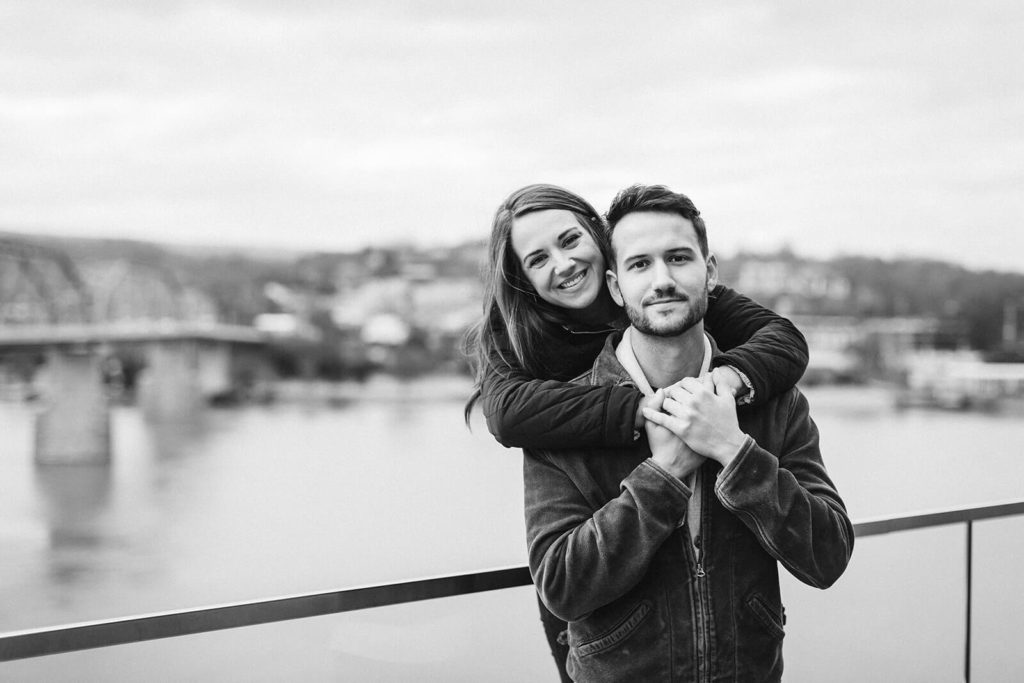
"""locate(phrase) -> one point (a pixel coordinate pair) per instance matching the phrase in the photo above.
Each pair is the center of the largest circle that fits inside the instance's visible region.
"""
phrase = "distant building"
(286, 326)
(794, 287)
(849, 348)
(443, 304)
(355, 306)
(960, 380)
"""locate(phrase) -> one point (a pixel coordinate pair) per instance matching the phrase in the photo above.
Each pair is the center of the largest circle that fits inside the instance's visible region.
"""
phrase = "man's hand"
(703, 416)
(667, 450)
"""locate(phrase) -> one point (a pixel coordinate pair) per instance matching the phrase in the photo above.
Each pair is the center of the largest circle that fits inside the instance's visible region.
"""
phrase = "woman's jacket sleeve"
(527, 412)
(523, 412)
(766, 347)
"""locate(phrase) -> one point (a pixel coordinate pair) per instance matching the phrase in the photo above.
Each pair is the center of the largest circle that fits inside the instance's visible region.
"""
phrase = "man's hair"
(659, 199)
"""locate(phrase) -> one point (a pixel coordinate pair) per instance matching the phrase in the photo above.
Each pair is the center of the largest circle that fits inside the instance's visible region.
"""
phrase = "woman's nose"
(563, 262)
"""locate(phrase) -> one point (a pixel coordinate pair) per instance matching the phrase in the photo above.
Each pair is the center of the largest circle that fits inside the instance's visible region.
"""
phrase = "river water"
(388, 484)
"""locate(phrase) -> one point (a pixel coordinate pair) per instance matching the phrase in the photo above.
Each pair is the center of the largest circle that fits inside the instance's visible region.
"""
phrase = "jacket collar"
(608, 370)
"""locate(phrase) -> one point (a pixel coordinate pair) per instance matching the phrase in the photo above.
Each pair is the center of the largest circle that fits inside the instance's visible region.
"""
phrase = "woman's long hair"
(514, 326)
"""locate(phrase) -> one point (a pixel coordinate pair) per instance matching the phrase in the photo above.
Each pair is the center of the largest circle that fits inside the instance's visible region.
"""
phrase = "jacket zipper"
(698, 551)
(699, 586)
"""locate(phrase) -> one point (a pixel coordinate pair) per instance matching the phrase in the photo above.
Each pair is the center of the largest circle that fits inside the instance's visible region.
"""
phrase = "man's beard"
(697, 307)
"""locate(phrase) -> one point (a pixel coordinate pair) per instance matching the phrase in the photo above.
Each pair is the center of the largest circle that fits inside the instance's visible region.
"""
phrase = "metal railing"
(94, 634)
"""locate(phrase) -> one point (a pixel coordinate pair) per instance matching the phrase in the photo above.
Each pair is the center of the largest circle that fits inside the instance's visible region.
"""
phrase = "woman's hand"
(652, 402)
(727, 379)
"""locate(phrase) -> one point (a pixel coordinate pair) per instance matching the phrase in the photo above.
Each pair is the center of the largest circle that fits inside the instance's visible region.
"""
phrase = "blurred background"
(240, 243)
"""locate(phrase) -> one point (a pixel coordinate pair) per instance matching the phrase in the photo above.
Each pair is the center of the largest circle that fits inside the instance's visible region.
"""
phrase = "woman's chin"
(585, 300)
(577, 301)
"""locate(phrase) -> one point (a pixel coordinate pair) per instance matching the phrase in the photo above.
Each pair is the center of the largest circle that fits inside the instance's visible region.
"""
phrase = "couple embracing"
(670, 463)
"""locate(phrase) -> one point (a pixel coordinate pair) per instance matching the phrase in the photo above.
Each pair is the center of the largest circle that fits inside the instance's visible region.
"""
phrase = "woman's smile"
(574, 280)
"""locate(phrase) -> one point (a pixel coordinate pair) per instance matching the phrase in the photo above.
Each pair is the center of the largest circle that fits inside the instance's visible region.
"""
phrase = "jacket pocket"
(617, 633)
(772, 620)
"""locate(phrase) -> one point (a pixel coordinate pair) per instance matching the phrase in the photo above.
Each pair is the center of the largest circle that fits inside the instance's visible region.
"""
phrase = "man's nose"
(661, 278)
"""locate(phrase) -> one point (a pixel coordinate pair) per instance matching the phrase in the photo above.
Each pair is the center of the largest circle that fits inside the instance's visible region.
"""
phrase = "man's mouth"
(668, 300)
(573, 281)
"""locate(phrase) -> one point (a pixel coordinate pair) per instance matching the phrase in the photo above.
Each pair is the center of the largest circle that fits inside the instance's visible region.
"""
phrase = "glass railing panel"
(897, 614)
(898, 611)
(252, 502)
(998, 600)
(493, 636)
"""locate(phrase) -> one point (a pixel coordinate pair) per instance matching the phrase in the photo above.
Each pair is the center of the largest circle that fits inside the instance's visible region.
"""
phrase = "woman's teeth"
(573, 280)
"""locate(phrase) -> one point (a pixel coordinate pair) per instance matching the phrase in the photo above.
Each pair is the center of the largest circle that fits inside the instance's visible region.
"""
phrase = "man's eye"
(679, 258)
(638, 265)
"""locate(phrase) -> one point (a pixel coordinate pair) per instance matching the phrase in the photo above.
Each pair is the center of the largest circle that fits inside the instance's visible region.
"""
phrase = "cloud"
(398, 120)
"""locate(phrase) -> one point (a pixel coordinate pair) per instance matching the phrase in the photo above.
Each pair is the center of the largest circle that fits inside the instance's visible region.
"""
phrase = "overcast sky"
(875, 127)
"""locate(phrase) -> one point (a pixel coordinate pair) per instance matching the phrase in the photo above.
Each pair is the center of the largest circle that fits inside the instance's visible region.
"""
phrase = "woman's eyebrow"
(533, 253)
(561, 236)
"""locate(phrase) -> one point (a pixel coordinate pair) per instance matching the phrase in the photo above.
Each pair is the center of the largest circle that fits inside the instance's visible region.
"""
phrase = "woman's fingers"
(655, 400)
(688, 386)
(726, 381)
(669, 422)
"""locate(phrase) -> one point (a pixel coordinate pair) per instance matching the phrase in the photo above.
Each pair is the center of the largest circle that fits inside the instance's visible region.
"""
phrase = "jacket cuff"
(620, 416)
(751, 466)
(747, 398)
(662, 493)
(750, 375)
(675, 481)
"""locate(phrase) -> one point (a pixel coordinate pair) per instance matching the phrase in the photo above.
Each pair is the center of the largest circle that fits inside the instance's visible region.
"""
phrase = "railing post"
(967, 633)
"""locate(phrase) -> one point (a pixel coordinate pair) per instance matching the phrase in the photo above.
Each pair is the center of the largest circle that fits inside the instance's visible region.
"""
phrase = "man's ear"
(712, 272)
(612, 280)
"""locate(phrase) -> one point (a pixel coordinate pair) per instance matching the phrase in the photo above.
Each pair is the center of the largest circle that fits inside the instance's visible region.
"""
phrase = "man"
(664, 557)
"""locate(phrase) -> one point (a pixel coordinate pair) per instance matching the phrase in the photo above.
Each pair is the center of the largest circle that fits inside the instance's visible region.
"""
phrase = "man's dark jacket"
(608, 554)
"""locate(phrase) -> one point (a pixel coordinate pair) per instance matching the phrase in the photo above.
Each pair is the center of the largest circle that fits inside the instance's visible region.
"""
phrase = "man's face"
(660, 277)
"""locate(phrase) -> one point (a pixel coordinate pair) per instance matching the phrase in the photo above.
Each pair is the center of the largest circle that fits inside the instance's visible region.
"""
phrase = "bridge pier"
(170, 388)
(185, 364)
(214, 369)
(74, 426)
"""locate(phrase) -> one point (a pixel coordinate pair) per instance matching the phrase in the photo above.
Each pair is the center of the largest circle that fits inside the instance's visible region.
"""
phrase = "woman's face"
(560, 258)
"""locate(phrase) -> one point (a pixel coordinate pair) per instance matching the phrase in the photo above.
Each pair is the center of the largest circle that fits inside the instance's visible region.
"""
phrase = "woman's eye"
(536, 261)
(571, 241)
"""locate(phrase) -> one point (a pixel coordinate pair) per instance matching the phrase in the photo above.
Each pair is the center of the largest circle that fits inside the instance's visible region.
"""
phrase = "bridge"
(67, 329)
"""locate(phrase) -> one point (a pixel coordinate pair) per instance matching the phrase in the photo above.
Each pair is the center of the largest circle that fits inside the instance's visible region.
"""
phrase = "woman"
(546, 315)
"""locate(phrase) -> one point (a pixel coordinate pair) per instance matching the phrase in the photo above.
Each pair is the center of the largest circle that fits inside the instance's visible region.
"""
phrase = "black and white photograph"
(475, 341)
